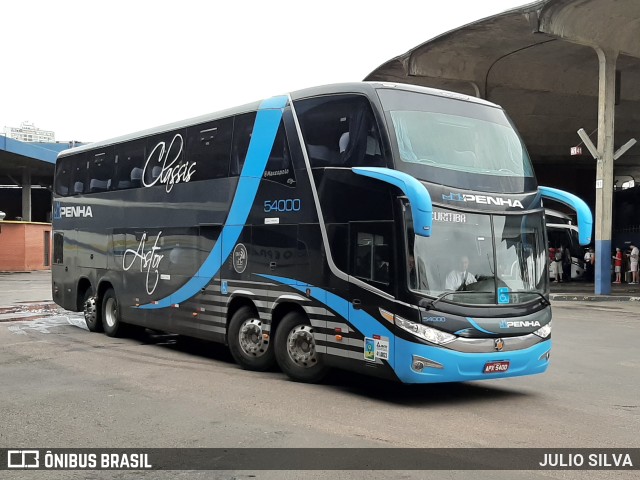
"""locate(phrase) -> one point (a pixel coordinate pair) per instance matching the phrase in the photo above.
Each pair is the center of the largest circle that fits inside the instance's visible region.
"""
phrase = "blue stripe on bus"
(458, 366)
(478, 327)
(264, 134)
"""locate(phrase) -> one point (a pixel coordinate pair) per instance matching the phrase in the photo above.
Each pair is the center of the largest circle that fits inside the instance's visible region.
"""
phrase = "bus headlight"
(543, 332)
(427, 333)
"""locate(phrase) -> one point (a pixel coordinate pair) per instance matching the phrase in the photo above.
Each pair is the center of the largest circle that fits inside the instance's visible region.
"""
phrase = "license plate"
(496, 367)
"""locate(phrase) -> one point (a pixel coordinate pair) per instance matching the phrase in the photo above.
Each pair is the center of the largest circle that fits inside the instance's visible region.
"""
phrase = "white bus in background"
(561, 231)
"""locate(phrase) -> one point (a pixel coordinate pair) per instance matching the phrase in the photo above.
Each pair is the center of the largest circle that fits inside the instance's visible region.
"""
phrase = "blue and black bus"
(382, 228)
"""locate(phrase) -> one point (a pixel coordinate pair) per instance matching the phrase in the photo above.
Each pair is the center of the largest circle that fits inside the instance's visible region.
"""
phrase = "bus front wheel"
(248, 342)
(296, 351)
(111, 322)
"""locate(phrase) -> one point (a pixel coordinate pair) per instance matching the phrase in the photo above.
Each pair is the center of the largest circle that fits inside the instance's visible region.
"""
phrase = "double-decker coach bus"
(382, 228)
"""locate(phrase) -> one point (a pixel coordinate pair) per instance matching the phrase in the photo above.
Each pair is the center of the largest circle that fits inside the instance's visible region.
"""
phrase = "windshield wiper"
(428, 304)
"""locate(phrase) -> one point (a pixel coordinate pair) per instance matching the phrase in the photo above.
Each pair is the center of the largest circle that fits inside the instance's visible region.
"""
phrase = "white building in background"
(27, 132)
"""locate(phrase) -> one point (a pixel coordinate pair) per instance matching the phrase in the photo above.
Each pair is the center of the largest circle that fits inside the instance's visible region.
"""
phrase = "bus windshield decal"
(451, 217)
(149, 261)
(169, 173)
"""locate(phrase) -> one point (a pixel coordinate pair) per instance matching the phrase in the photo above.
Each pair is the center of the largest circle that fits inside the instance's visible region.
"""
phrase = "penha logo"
(482, 199)
(519, 324)
(71, 211)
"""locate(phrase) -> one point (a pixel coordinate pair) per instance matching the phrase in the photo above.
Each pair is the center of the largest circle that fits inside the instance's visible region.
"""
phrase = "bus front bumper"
(416, 363)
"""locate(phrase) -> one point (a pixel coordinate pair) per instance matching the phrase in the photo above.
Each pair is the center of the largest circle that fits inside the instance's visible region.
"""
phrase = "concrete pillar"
(604, 169)
(26, 195)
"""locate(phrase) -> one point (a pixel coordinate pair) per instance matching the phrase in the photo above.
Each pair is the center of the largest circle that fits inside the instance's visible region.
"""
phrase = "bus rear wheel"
(249, 343)
(111, 322)
(91, 314)
(296, 350)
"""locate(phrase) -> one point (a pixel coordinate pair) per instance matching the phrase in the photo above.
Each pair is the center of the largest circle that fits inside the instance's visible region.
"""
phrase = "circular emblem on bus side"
(499, 344)
(240, 258)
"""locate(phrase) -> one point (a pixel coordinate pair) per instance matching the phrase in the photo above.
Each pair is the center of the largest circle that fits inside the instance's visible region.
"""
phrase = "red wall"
(22, 246)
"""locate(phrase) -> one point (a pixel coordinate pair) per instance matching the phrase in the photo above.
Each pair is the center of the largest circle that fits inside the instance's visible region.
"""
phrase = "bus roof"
(353, 87)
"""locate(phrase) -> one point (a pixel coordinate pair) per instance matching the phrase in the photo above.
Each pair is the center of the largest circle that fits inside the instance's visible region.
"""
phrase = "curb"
(578, 297)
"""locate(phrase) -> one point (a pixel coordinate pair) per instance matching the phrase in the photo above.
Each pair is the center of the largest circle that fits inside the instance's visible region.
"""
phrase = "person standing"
(618, 265)
(566, 264)
(633, 259)
(589, 259)
(559, 271)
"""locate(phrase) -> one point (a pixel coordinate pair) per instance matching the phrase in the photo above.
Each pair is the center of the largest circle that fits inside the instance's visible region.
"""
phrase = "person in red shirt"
(618, 265)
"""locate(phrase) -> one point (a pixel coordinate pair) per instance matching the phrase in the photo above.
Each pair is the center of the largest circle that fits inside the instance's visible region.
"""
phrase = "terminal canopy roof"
(38, 159)
(540, 62)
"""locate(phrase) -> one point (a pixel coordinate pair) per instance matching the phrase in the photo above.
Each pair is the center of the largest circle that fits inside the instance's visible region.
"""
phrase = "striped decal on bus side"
(211, 306)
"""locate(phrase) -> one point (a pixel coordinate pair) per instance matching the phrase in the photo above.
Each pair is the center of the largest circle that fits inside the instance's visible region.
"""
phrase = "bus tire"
(247, 342)
(91, 314)
(111, 322)
(296, 351)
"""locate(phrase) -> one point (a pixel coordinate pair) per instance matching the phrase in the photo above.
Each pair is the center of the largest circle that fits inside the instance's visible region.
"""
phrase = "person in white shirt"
(459, 279)
(633, 260)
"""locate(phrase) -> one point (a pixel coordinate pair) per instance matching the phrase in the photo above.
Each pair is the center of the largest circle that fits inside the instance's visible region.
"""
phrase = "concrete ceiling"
(540, 63)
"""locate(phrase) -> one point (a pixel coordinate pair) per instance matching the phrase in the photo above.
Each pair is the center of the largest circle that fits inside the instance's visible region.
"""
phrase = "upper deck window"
(340, 131)
(64, 170)
(209, 147)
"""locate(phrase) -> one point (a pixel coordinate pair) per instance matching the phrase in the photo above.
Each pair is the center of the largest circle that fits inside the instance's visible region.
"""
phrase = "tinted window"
(129, 164)
(279, 167)
(339, 244)
(99, 173)
(164, 160)
(58, 244)
(371, 253)
(242, 128)
(340, 130)
(63, 175)
(78, 175)
(209, 147)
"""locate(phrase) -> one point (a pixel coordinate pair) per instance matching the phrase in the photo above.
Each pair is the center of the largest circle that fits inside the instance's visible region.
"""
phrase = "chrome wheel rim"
(90, 313)
(301, 346)
(110, 312)
(252, 339)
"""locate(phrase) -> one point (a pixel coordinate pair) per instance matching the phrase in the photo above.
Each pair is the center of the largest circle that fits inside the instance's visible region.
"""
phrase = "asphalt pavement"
(26, 296)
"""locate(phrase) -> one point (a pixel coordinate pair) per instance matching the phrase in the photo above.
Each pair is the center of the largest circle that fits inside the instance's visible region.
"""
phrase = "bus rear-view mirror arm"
(416, 192)
(585, 218)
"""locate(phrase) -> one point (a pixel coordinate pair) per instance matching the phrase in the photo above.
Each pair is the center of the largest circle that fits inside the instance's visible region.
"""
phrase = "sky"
(94, 70)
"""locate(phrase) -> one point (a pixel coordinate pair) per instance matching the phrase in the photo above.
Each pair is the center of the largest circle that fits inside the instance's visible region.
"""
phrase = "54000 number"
(288, 205)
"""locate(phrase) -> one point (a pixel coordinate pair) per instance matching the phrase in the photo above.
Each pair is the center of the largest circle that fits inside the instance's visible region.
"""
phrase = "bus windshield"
(479, 259)
(456, 143)
(459, 143)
